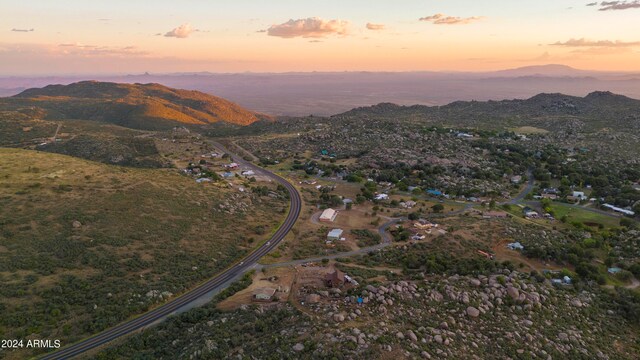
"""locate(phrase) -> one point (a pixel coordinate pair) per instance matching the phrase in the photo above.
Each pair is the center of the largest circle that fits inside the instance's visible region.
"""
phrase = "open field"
(85, 245)
(589, 218)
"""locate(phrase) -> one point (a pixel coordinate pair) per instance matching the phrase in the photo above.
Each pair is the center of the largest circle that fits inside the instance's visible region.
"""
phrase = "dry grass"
(141, 230)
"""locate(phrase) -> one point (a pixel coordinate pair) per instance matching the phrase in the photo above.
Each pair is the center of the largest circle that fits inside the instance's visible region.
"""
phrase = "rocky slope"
(142, 106)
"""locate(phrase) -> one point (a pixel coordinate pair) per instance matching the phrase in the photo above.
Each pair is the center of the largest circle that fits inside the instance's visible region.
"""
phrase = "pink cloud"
(312, 27)
(442, 19)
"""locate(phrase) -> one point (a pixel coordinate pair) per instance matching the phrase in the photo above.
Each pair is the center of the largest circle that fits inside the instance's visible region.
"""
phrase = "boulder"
(312, 299)
(473, 312)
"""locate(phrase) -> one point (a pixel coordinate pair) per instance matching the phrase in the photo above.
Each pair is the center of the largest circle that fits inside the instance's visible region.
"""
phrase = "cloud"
(599, 43)
(442, 19)
(96, 50)
(181, 32)
(312, 27)
(592, 4)
(618, 5)
(22, 30)
(372, 26)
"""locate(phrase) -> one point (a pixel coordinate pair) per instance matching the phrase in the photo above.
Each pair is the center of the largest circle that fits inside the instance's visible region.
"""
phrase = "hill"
(85, 245)
(554, 70)
(139, 106)
(596, 111)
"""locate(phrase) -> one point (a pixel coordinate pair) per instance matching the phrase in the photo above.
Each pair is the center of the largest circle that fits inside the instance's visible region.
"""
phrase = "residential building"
(515, 246)
(580, 195)
(264, 294)
(328, 215)
(334, 235)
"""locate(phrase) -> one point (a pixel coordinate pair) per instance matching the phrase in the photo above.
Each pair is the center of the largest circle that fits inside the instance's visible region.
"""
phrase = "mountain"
(140, 106)
(597, 110)
(328, 93)
(550, 70)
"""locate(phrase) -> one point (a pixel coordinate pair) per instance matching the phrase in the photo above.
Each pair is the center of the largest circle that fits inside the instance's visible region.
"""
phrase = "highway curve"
(215, 283)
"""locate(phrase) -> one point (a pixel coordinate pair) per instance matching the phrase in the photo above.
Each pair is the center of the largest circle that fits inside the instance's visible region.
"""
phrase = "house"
(464, 135)
(620, 210)
(347, 201)
(515, 246)
(434, 192)
(424, 225)
(264, 294)
(334, 235)
(573, 199)
(551, 191)
(381, 197)
(232, 166)
(248, 173)
(328, 215)
(549, 196)
(227, 174)
(201, 180)
(495, 214)
(335, 279)
(408, 204)
(530, 213)
(516, 179)
(580, 195)
(417, 237)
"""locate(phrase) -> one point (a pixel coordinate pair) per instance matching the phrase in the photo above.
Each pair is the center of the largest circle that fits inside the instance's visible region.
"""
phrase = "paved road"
(525, 191)
(382, 230)
(214, 284)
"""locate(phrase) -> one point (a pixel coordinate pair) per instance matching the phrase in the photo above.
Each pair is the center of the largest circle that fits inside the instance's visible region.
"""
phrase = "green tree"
(437, 208)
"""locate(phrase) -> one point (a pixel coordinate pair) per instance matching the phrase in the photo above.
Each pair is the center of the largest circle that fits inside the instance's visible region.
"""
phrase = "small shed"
(334, 235)
(515, 246)
(263, 294)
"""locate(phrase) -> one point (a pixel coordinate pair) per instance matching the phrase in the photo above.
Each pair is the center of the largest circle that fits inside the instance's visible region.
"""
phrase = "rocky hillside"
(141, 106)
(504, 315)
(595, 111)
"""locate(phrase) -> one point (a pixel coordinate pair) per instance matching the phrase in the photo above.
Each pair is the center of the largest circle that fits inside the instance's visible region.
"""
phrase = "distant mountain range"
(596, 111)
(139, 106)
(328, 93)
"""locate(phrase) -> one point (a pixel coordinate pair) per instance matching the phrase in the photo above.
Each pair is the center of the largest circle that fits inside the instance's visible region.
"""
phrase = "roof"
(328, 214)
(335, 233)
(336, 276)
(264, 293)
(268, 292)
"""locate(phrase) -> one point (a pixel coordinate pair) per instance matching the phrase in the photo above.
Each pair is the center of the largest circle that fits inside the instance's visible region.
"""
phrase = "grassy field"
(85, 245)
(586, 217)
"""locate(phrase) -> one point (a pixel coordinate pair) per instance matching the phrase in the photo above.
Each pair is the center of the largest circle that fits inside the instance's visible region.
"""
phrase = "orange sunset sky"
(115, 37)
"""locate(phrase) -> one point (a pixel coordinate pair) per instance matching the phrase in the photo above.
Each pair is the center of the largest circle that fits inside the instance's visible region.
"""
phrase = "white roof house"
(620, 210)
(579, 194)
(328, 215)
(335, 234)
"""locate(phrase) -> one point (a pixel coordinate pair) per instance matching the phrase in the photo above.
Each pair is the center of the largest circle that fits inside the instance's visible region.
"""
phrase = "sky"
(63, 37)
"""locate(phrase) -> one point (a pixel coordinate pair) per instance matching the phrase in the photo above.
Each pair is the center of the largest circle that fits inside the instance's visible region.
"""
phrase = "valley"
(468, 230)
